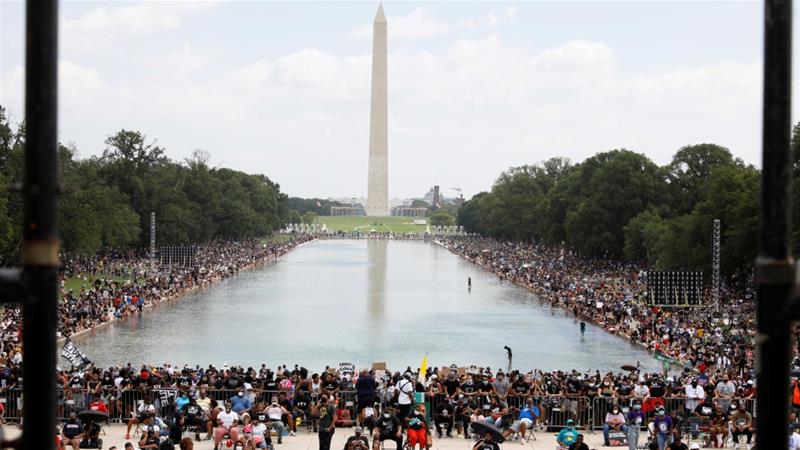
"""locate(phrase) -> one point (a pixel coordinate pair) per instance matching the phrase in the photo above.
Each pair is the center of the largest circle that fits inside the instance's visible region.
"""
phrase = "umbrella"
(93, 416)
(629, 368)
(481, 428)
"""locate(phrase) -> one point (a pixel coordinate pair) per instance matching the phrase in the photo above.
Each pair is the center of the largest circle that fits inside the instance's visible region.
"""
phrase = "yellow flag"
(423, 367)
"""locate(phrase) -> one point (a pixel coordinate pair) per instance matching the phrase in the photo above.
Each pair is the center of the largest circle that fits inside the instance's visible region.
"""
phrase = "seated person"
(719, 427)
(568, 435)
(300, 406)
(145, 408)
(227, 423)
(72, 432)
(256, 434)
(150, 434)
(194, 416)
(287, 417)
(98, 405)
(387, 426)
(182, 400)
(579, 444)
(91, 432)
(615, 421)
(462, 416)
(444, 418)
(357, 442)
(487, 443)
(742, 423)
(417, 428)
(240, 403)
(275, 414)
(369, 416)
(343, 418)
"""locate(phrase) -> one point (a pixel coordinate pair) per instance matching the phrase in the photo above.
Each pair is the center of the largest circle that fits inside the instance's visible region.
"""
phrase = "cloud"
(468, 111)
(99, 28)
(419, 23)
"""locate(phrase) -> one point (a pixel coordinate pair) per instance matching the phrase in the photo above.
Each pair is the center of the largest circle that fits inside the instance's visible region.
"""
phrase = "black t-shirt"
(271, 385)
(450, 386)
(71, 430)
(573, 386)
(657, 389)
(704, 410)
(578, 446)
(677, 446)
(624, 389)
(286, 404)
(330, 386)
(191, 411)
(468, 387)
(301, 402)
(388, 426)
(233, 383)
(484, 386)
(521, 387)
(444, 408)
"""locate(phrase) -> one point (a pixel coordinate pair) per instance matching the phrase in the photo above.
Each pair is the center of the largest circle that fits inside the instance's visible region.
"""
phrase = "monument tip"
(380, 17)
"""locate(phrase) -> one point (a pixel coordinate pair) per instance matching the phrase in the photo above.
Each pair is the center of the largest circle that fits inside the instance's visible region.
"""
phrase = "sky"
(282, 88)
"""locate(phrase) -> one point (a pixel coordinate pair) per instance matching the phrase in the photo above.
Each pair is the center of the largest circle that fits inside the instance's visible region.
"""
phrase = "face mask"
(637, 407)
(241, 394)
(615, 411)
(386, 415)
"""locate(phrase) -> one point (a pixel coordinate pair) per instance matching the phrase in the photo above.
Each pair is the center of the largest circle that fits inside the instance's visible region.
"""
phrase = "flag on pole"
(423, 367)
(319, 205)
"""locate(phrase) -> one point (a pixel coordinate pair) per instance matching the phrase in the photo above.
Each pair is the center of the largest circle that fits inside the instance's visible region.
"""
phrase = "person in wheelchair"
(388, 426)
(358, 441)
(193, 416)
(417, 428)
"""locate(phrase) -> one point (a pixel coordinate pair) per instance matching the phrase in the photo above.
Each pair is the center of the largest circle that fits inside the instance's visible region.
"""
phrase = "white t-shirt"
(641, 390)
(794, 441)
(692, 396)
(369, 411)
(274, 413)
(227, 418)
(259, 432)
(406, 390)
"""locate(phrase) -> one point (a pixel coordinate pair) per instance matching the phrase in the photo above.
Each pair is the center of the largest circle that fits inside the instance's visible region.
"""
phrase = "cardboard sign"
(379, 366)
(617, 439)
(346, 367)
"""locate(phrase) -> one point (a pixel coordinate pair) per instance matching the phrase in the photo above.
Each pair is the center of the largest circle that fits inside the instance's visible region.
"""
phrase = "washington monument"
(378, 178)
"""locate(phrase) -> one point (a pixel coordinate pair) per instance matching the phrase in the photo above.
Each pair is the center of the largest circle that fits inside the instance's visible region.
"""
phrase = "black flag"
(72, 353)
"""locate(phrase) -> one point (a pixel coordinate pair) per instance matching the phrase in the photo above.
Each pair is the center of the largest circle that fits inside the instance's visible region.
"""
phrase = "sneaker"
(291, 433)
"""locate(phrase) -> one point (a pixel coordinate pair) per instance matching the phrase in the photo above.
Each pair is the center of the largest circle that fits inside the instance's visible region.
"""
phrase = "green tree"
(310, 217)
(294, 217)
(442, 218)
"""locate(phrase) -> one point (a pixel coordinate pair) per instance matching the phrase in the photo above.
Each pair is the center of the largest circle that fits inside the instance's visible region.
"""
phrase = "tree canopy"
(107, 200)
(619, 204)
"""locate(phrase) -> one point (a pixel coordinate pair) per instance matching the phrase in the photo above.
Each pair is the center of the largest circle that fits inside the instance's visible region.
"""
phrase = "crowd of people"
(250, 405)
(612, 295)
(120, 284)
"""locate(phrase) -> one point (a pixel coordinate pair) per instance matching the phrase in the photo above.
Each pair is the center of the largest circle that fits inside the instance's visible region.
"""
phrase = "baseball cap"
(358, 430)
(695, 446)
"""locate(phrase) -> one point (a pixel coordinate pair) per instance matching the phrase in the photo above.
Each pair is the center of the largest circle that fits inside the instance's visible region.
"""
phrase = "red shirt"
(97, 405)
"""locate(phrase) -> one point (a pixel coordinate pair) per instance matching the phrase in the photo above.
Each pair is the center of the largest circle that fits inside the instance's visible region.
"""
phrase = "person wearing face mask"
(695, 394)
(327, 414)
(636, 418)
(240, 403)
(663, 426)
(417, 428)
(227, 423)
(387, 427)
(615, 421)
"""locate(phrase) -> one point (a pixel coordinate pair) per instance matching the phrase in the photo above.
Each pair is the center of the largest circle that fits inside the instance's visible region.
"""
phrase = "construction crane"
(457, 189)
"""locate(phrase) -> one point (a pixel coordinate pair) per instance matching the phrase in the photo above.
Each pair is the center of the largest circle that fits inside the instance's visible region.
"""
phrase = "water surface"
(360, 301)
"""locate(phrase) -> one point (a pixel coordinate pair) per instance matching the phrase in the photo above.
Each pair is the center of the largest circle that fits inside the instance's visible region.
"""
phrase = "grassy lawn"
(75, 283)
(364, 223)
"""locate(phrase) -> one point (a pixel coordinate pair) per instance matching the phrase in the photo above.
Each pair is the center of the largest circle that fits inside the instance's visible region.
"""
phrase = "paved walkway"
(115, 435)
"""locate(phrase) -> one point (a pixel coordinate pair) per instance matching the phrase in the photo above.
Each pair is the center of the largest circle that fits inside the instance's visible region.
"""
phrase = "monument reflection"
(376, 278)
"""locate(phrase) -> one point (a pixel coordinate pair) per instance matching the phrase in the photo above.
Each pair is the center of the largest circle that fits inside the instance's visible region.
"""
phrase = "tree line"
(107, 200)
(619, 204)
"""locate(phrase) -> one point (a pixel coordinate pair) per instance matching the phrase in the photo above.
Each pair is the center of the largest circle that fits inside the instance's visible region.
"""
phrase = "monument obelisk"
(377, 179)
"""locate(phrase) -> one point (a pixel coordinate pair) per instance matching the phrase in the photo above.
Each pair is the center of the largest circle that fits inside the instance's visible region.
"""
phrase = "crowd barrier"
(555, 410)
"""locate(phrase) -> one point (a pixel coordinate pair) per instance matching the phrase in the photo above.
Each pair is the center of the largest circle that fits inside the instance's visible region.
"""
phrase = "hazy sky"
(282, 88)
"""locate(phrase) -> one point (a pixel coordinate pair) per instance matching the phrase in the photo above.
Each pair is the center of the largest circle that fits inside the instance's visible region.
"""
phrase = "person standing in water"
(508, 353)
(583, 328)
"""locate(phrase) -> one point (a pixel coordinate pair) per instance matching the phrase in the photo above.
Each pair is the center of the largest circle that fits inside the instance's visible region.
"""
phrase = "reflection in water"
(376, 278)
